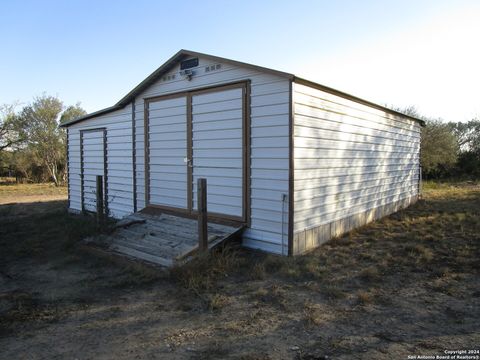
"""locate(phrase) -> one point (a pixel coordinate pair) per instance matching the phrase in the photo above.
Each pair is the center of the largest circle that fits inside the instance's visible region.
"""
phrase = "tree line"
(451, 150)
(448, 149)
(33, 146)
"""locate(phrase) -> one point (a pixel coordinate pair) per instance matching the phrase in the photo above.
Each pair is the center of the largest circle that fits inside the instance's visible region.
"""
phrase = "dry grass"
(313, 314)
(218, 301)
(11, 189)
(11, 193)
(201, 277)
(370, 274)
(44, 233)
(387, 290)
(258, 271)
(365, 297)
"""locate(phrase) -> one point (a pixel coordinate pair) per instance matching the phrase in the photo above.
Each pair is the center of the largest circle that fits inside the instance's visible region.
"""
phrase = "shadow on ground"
(408, 284)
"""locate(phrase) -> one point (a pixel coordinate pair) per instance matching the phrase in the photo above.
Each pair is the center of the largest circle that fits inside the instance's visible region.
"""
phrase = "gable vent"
(213, 67)
(188, 64)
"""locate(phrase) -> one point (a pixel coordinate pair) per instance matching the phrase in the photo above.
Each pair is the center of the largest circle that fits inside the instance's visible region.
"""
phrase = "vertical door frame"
(105, 168)
(246, 150)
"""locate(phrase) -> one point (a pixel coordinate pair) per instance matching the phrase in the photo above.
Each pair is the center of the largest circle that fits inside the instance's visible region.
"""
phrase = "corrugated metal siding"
(269, 144)
(349, 158)
(217, 132)
(93, 165)
(168, 149)
(119, 160)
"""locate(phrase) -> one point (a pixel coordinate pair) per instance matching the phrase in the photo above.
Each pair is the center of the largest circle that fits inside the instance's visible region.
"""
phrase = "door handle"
(188, 162)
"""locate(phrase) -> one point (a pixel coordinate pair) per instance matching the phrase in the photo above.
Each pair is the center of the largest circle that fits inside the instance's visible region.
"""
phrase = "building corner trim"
(291, 172)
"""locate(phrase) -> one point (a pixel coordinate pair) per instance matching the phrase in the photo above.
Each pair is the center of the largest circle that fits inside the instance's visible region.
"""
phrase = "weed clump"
(364, 297)
(419, 252)
(202, 274)
(218, 301)
(258, 271)
(370, 274)
(311, 314)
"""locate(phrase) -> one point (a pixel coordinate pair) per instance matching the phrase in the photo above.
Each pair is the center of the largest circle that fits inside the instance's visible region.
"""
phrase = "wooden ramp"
(163, 239)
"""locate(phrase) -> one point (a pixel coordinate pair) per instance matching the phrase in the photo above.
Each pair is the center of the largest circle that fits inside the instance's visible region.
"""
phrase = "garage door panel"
(165, 113)
(213, 97)
(169, 144)
(178, 102)
(170, 136)
(217, 133)
(167, 151)
(218, 116)
(217, 163)
(211, 140)
(219, 144)
(208, 153)
(213, 172)
(163, 171)
(166, 128)
(227, 105)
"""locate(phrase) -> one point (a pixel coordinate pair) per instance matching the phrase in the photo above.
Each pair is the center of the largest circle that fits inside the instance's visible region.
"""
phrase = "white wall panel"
(349, 158)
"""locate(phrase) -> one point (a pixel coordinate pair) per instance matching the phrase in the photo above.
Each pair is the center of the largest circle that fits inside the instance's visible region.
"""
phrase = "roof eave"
(355, 98)
(186, 53)
(150, 79)
(162, 70)
(91, 115)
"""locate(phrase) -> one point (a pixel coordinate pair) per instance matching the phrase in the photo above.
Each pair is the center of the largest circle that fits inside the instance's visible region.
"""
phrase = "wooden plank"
(183, 230)
(146, 235)
(212, 241)
(144, 256)
(165, 250)
(202, 214)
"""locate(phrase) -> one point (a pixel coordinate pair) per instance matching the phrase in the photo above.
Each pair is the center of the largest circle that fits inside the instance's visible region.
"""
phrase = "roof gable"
(182, 55)
(185, 54)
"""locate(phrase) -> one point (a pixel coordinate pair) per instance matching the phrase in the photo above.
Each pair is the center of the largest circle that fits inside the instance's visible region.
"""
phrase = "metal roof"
(182, 54)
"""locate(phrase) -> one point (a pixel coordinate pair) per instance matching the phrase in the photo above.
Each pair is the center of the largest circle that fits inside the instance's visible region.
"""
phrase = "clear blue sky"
(94, 52)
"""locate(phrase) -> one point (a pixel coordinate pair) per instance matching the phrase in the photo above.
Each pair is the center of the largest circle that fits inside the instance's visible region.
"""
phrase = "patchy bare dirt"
(406, 285)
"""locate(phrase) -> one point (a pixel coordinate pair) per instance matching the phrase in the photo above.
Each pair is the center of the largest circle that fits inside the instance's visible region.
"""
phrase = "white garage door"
(198, 134)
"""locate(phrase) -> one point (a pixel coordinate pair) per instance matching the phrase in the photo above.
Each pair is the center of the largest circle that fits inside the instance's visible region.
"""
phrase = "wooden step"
(164, 239)
(142, 255)
(164, 251)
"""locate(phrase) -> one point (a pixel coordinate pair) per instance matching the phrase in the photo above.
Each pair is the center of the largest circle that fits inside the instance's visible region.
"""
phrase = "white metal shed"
(295, 161)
